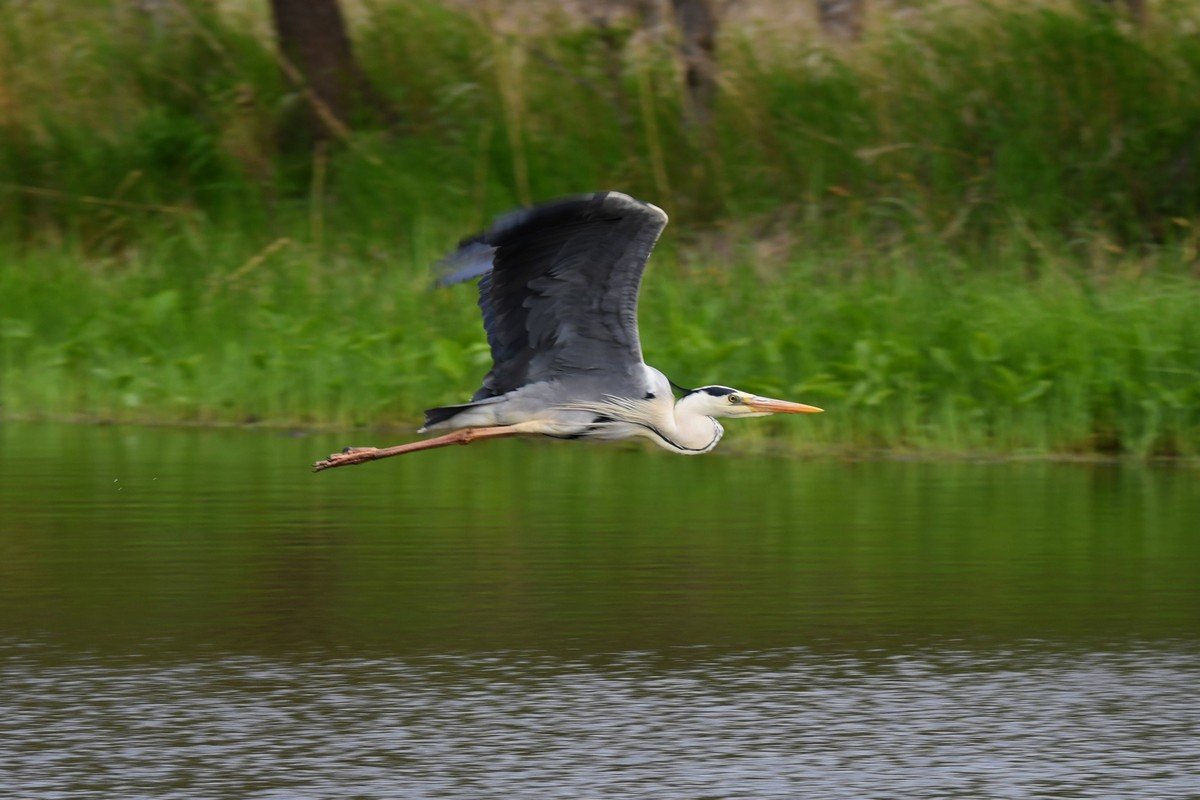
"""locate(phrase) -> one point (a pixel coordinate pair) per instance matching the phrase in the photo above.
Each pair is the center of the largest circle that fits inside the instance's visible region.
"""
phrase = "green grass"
(910, 356)
(975, 231)
(953, 128)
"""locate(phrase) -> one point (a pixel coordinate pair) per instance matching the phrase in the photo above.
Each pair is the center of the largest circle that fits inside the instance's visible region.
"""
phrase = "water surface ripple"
(784, 724)
(192, 614)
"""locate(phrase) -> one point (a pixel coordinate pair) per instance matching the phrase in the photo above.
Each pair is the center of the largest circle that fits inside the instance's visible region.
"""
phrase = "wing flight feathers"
(558, 288)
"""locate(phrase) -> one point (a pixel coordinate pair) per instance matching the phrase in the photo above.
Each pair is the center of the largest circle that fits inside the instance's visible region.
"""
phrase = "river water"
(193, 614)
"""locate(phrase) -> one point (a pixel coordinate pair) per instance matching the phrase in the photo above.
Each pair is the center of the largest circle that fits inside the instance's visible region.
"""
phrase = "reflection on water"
(191, 613)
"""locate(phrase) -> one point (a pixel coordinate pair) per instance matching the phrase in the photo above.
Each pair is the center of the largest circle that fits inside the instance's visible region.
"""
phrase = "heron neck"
(689, 431)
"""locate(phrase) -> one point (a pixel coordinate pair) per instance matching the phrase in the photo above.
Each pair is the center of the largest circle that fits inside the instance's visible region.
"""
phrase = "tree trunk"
(316, 53)
(1136, 9)
(842, 18)
(697, 20)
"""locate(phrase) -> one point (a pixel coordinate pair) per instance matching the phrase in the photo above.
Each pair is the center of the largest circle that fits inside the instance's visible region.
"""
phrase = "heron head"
(723, 401)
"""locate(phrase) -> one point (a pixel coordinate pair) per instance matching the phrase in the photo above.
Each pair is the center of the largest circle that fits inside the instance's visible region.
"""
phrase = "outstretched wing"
(558, 288)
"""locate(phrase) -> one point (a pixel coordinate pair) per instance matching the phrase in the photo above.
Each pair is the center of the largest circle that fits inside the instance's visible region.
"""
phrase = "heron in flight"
(558, 287)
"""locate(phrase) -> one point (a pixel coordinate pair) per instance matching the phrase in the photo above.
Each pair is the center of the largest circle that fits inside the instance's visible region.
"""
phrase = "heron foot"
(348, 456)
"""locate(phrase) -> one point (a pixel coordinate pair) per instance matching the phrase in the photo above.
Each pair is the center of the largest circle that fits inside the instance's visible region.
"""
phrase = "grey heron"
(558, 287)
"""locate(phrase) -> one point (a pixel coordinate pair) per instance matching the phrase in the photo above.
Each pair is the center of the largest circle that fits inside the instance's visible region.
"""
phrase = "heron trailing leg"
(360, 455)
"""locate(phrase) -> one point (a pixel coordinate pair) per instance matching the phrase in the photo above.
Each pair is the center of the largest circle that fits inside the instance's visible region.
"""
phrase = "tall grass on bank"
(908, 356)
(974, 231)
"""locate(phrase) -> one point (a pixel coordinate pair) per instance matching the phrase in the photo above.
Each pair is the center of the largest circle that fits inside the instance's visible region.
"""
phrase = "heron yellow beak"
(769, 406)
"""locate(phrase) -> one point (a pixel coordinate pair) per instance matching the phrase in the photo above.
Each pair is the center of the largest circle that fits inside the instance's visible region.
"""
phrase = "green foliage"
(949, 127)
(972, 232)
(915, 357)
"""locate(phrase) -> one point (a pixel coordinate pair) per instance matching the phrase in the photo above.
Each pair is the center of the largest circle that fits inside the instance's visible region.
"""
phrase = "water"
(193, 614)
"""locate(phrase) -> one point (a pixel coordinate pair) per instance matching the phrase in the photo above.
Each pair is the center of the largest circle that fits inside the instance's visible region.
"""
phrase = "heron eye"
(734, 399)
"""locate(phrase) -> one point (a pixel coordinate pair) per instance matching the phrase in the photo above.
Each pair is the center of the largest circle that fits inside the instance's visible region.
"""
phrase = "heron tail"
(440, 416)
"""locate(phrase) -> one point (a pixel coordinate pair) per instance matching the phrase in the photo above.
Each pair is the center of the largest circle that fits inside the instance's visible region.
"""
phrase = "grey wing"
(558, 288)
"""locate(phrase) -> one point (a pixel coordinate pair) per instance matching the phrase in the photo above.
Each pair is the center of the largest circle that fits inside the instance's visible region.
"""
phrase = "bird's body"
(558, 288)
(563, 412)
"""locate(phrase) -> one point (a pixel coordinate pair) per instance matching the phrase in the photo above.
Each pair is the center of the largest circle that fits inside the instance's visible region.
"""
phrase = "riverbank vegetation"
(973, 230)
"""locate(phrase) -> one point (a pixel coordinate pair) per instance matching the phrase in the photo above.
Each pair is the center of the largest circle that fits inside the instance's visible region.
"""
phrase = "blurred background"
(960, 227)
